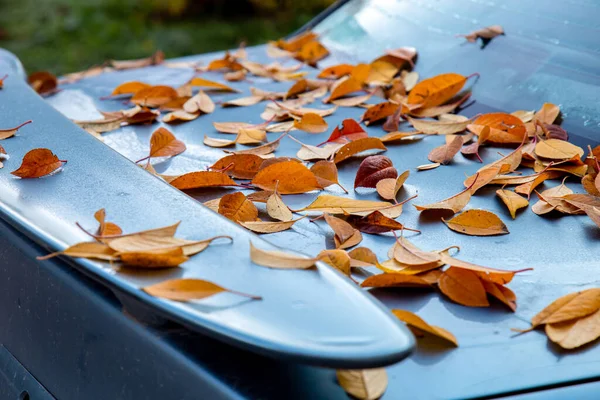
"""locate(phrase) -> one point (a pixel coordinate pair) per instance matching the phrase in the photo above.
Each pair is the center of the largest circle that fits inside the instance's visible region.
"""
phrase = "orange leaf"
(154, 96)
(106, 228)
(43, 82)
(289, 177)
(575, 333)
(477, 223)
(201, 179)
(10, 132)
(159, 258)
(311, 123)
(502, 293)
(437, 90)
(512, 201)
(569, 307)
(164, 144)
(311, 52)
(242, 166)
(38, 163)
(237, 207)
(131, 87)
(504, 128)
(463, 287)
(396, 280)
(336, 71)
(499, 276)
(326, 173)
(413, 320)
(350, 131)
(378, 112)
(346, 87)
(358, 146)
(211, 85)
(388, 188)
(188, 289)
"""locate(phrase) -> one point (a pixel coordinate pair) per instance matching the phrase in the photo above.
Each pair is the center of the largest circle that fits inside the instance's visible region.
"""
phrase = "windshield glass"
(549, 53)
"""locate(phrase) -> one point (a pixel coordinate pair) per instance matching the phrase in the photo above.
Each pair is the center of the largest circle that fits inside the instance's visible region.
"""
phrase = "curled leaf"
(414, 321)
(358, 146)
(363, 384)
(373, 169)
(237, 207)
(279, 259)
(388, 188)
(477, 223)
(446, 152)
(463, 287)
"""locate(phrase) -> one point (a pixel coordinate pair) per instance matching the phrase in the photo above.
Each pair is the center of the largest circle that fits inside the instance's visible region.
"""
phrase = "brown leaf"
(311, 123)
(38, 163)
(397, 280)
(502, 293)
(326, 173)
(556, 149)
(487, 33)
(388, 188)
(199, 103)
(378, 112)
(106, 228)
(211, 85)
(269, 226)
(414, 321)
(242, 166)
(154, 96)
(290, 177)
(363, 384)
(355, 239)
(201, 179)
(435, 91)
(336, 71)
(343, 205)
(407, 253)
(344, 88)
(338, 259)
(265, 149)
(237, 207)
(376, 222)
(512, 201)
(189, 289)
(373, 169)
(463, 287)
(164, 144)
(477, 223)
(432, 112)
(454, 203)
(158, 258)
(6, 133)
(43, 82)
(342, 229)
(356, 147)
(446, 152)
(279, 259)
(218, 142)
(439, 127)
(504, 128)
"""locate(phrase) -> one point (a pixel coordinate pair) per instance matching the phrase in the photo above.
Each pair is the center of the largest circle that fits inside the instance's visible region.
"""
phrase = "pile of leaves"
(386, 92)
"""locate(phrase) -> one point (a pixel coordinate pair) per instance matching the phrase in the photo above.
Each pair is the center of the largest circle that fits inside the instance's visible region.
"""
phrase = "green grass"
(68, 35)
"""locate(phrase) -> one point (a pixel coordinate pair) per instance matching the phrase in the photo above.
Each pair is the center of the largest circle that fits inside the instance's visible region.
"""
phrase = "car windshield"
(552, 54)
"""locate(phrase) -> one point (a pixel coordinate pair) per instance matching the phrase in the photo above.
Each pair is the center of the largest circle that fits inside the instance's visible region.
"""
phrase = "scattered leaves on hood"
(504, 128)
(38, 163)
(417, 325)
(372, 170)
(363, 384)
(187, 289)
(279, 260)
(477, 223)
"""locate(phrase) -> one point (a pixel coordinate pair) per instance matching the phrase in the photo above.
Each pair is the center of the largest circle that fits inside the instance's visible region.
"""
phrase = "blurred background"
(64, 36)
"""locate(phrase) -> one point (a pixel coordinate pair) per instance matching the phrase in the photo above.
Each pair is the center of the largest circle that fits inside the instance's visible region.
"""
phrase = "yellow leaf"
(575, 333)
(277, 209)
(477, 223)
(454, 203)
(342, 229)
(342, 205)
(158, 258)
(211, 85)
(363, 384)
(243, 101)
(311, 123)
(413, 320)
(512, 200)
(569, 307)
(189, 289)
(556, 149)
(251, 136)
(237, 207)
(388, 188)
(279, 259)
(338, 259)
(200, 102)
(179, 115)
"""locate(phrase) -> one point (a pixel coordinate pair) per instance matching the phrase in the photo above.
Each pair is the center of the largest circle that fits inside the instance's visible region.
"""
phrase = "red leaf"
(350, 131)
(373, 169)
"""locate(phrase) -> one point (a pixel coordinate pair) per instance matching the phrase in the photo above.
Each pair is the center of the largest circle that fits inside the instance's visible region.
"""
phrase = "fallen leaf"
(446, 152)
(154, 96)
(279, 259)
(43, 82)
(575, 333)
(164, 144)
(363, 255)
(217, 142)
(477, 223)
(201, 179)
(241, 166)
(427, 167)
(158, 258)
(388, 188)
(414, 321)
(290, 177)
(512, 201)
(199, 103)
(232, 127)
(498, 276)
(547, 114)
(344, 88)
(106, 228)
(243, 101)
(556, 149)
(473, 148)
(189, 289)
(377, 222)
(265, 149)
(308, 152)
(378, 112)
(343, 205)
(502, 293)
(10, 132)
(155, 59)
(373, 169)
(355, 239)
(268, 226)
(338, 259)
(435, 91)
(463, 287)
(353, 101)
(92, 250)
(487, 33)
(311, 52)
(454, 203)
(211, 85)
(311, 123)
(432, 112)
(326, 173)
(336, 71)
(131, 87)
(363, 384)
(438, 127)
(504, 128)
(38, 163)
(251, 136)
(356, 147)
(277, 209)
(237, 207)
(350, 131)
(407, 253)
(179, 116)
(396, 280)
(342, 229)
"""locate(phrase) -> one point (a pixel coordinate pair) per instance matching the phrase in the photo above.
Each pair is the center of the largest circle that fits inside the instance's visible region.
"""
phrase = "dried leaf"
(93, 250)
(289, 177)
(164, 144)
(251, 136)
(265, 149)
(189, 289)
(568, 308)
(427, 167)
(575, 333)
(43, 82)
(556, 149)
(237, 207)
(477, 223)
(454, 203)
(407, 253)
(463, 287)
(446, 152)
(363, 255)
(308, 152)
(241, 166)
(277, 209)
(547, 114)
(243, 102)
(326, 173)
(211, 85)
(355, 239)
(377, 222)
(504, 128)
(106, 228)
(201, 179)
(342, 229)
(432, 112)
(379, 112)
(279, 259)
(414, 321)
(388, 188)
(232, 127)
(435, 91)
(373, 169)
(311, 123)
(336, 71)
(159, 258)
(350, 131)
(154, 96)
(502, 293)
(10, 132)
(131, 87)
(487, 33)
(353, 101)
(396, 280)
(498, 276)
(363, 384)
(346, 87)
(343, 205)
(199, 103)
(38, 163)
(438, 127)
(512, 200)
(473, 148)
(217, 142)
(179, 116)
(269, 226)
(338, 259)
(356, 147)
(311, 52)
(155, 59)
